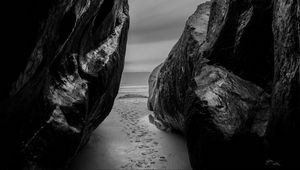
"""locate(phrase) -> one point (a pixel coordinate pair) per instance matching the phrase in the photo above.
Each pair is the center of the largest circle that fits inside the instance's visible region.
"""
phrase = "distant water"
(135, 79)
(142, 90)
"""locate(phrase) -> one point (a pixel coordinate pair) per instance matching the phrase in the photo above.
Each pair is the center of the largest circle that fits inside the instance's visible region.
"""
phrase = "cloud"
(145, 57)
(155, 26)
(159, 20)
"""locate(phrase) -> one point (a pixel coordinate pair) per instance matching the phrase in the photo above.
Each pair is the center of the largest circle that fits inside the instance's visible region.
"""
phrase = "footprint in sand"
(145, 150)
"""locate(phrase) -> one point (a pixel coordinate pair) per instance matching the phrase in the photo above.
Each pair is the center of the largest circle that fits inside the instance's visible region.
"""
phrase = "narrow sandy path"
(126, 140)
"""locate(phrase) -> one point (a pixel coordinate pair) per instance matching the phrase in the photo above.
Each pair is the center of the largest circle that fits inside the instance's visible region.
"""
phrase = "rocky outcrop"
(225, 120)
(152, 84)
(283, 130)
(238, 36)
(223, 88)
(167, 94)
(63, 85)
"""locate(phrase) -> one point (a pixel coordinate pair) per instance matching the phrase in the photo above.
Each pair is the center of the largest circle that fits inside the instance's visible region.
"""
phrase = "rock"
(240, 38)
(160, 125)
(70, 78)
(283, 131)
(152, 86)
(225, 120)
(266, 37)
(216, 88)
(167, 94)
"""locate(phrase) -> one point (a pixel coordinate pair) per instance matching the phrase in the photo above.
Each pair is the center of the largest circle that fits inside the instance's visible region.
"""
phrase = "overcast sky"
(155, 26)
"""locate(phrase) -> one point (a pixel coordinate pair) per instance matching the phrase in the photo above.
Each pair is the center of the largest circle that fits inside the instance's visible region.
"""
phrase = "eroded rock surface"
(169, 81)
(224, 86)
(225, 120)
(283, 131)
(66, 85)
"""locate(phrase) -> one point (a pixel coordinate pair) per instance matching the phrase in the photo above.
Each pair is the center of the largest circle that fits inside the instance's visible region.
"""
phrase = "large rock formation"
(283, 133)
(225, 120)
(170, 80)
(221, 88)
(62, 80)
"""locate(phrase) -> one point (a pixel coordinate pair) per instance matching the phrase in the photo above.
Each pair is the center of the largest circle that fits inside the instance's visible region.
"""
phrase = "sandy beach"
(126, 139)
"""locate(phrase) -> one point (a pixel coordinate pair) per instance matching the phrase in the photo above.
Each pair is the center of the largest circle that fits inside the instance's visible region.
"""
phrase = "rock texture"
(228, 77)
(225, 120)
(63, 85)
(167, 94)
(283, 130)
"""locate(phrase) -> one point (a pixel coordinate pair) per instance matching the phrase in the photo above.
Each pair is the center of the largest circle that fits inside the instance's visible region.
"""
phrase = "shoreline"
(127, 140)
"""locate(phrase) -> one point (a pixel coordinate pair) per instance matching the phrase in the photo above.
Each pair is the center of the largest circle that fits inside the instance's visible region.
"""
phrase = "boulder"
(223, 88)
(225, 120)
(152, 84)
(240, 38)
(283, 133)
(63, 85)
(167, 93)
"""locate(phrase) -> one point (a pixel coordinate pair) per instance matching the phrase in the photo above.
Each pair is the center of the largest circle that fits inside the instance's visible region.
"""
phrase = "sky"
(155, 27)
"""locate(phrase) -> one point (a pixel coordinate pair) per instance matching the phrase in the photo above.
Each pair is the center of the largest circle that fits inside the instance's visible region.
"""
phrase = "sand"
(126, 139)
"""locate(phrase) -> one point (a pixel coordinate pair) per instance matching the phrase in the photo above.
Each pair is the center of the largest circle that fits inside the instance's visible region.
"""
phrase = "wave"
(133, 89)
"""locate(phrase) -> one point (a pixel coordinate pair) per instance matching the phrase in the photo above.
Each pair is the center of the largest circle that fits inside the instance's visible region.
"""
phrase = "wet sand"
(126, 139)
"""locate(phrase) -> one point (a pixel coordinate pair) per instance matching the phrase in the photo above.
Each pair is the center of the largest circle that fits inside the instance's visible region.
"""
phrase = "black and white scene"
(150, 85)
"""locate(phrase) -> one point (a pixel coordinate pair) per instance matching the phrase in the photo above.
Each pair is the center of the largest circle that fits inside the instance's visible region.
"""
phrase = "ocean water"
(135, 79)
(134, 83)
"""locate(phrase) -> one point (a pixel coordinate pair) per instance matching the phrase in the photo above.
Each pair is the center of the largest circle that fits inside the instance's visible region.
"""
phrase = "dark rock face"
(167, 94)
(152, 84)
(283, 130)
(65, 83)
(225, 117)
(239, 37)
(223, 88)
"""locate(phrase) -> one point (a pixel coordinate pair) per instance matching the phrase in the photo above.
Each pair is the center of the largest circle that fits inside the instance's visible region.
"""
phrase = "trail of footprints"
(145, 151)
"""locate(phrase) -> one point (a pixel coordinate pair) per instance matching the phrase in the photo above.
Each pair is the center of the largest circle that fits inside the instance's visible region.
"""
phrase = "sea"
(134, 82)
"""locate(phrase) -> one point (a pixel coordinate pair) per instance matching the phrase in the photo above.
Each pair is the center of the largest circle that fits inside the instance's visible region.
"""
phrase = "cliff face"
(64, 85)
(222, 88)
